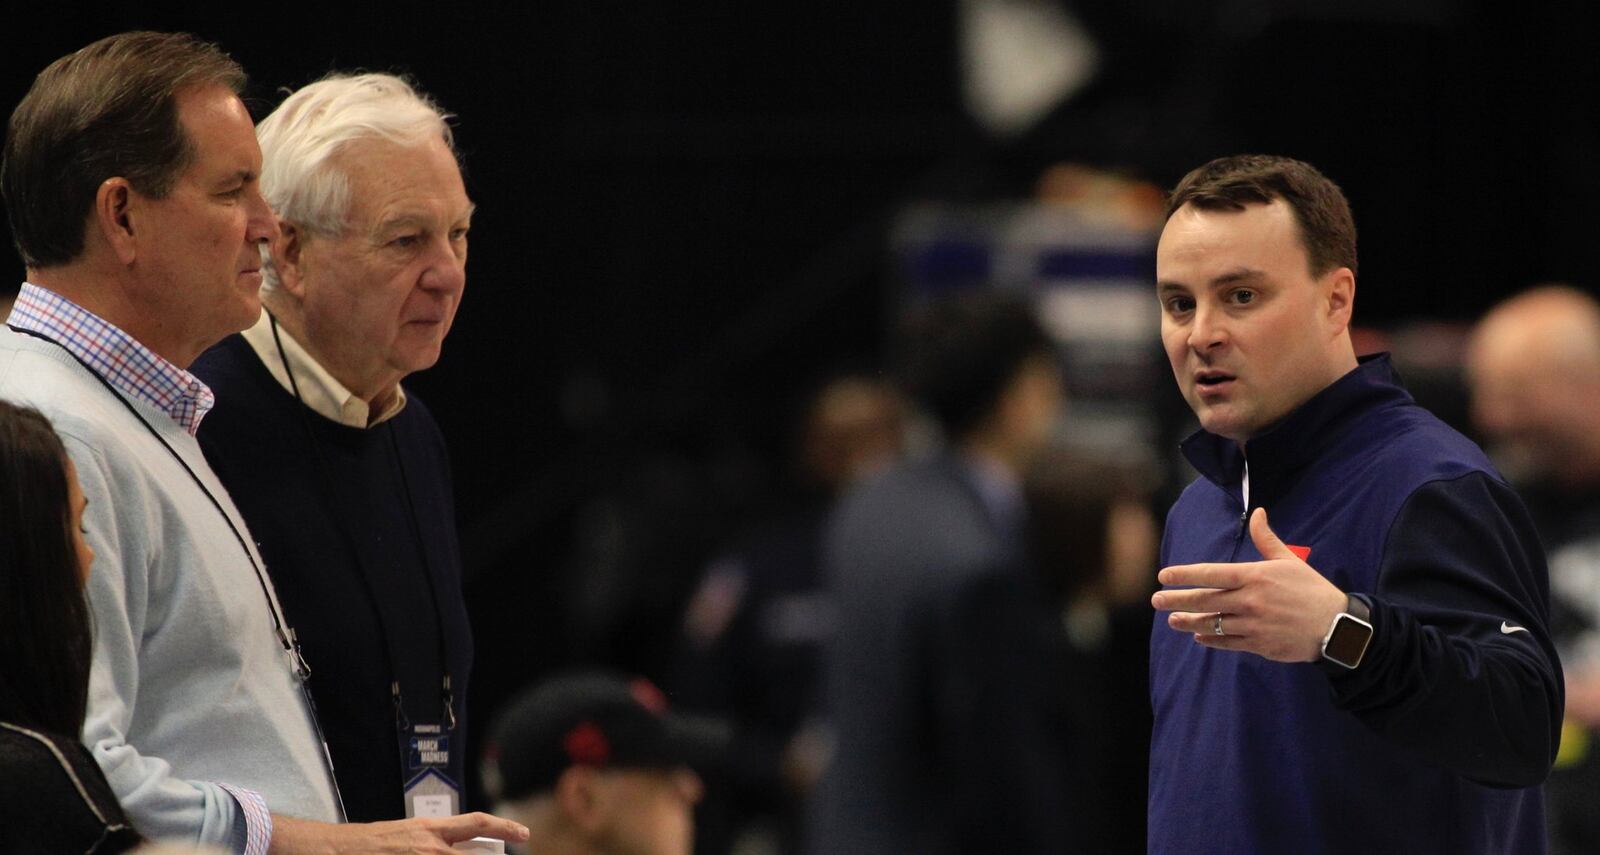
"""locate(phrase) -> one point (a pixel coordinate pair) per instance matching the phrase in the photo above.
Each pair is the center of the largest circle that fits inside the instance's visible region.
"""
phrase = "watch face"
(1348, 641)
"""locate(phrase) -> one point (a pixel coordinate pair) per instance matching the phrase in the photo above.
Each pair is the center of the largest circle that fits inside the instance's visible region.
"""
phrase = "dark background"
(682, 215)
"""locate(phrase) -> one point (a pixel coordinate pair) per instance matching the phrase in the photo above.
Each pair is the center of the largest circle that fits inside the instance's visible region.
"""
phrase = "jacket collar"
(1302, 436)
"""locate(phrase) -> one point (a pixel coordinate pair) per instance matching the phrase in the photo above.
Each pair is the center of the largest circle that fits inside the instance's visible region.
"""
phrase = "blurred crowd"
(950, 487)
(932, 633)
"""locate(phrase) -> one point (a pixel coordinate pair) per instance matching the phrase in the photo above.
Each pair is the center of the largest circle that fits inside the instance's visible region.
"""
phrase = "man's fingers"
(1222, 642)
(1204, 575)
(1205, 623)
(1199, 623)
(455, 829)
(1192, 600)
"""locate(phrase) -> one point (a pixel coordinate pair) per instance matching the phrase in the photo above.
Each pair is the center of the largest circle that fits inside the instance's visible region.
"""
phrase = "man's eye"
(1179, 305)
(404, 241)
(1242, 297)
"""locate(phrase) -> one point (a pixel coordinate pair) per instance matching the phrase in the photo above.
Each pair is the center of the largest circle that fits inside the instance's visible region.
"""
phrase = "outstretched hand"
(295, 836)
(1279, 607)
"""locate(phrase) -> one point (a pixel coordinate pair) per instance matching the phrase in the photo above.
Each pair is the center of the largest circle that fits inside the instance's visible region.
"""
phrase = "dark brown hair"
(104, 111)
(45, 636)
(1070, 506)
(1327, 229)
(957, 355)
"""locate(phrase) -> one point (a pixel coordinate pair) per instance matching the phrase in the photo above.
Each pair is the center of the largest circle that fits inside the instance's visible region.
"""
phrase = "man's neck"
(377, 392)
(108, 297)
(1338, 368)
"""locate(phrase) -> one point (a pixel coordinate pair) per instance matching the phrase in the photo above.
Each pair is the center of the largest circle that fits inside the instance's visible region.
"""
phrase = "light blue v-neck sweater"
(190, 686)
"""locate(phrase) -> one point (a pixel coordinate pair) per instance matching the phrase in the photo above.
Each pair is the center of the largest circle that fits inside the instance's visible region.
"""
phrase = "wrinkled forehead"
(389, 180)
(1200, 241)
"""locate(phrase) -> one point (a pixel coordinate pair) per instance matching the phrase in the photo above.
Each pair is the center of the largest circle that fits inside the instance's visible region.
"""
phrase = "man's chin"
(237, 316)
(249, 312)
(417, 356)
(1224, 422)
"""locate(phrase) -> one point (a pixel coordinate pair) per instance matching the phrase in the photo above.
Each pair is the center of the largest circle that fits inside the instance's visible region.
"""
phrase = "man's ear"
(1341, 298)
(114, 217)
(286, 250)
(580, 795)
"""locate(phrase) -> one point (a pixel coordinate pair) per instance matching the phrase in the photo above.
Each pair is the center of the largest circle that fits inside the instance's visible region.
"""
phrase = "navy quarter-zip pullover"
(1440, 740)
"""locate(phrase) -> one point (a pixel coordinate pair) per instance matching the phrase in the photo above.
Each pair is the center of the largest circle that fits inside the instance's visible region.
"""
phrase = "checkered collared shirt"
(130, 367)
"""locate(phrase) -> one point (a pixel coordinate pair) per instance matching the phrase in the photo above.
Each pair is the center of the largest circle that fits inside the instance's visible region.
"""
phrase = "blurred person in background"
(53, 797)
(1092, 536)
(1533, 370)
(1388, 684)
(753, 632)
(340, 473)
(130, 179)
(594, 763)
(942, 681)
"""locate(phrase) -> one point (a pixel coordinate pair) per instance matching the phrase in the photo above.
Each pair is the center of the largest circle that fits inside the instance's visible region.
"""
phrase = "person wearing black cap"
(595, 764)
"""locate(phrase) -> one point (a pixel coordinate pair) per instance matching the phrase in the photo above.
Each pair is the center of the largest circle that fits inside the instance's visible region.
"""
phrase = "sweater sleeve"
(1461, 668)
(160, 803)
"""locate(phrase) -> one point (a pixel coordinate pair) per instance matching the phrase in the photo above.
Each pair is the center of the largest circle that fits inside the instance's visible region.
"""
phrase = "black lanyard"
(446, 695)
(280, 625)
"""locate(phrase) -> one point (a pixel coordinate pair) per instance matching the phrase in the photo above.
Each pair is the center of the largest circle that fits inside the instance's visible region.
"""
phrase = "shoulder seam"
(1388, 534)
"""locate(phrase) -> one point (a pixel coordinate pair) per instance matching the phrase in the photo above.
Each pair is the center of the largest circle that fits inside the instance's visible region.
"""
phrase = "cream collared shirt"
(319, 390)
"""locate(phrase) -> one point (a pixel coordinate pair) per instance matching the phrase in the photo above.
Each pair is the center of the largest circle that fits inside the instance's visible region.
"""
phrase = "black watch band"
(1347, 639)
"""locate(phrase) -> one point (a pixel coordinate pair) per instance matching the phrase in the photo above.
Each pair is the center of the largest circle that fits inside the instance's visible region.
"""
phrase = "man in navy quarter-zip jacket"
(1350, 652)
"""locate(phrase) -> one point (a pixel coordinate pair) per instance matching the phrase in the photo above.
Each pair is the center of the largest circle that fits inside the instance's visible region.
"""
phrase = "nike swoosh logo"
(1508, 628)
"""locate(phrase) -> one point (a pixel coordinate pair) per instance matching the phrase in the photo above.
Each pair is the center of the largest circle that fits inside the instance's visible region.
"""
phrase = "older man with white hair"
(341, 475)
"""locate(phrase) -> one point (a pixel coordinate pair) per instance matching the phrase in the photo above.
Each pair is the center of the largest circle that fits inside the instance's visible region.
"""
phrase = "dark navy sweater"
(1439, 740)
(258, 439)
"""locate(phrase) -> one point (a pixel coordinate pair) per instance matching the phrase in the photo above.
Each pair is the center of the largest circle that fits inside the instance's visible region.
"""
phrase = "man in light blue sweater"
(129, 176)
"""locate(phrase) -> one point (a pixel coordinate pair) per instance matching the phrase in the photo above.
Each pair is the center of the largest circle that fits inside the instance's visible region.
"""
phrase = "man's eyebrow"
(400, 221)
(418, 220)
(242, 176)
(1234, 277)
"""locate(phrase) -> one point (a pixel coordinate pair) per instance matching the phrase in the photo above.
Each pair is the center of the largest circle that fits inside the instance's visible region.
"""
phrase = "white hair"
(302, 138)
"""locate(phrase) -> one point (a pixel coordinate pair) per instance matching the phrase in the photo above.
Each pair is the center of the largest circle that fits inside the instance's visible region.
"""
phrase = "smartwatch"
(1351, 632)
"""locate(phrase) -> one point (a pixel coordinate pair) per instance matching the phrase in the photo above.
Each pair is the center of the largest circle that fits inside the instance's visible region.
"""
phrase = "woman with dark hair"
(53, 797)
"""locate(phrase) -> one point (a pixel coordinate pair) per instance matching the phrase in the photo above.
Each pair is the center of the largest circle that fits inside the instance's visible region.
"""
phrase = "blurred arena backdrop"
(689, 214)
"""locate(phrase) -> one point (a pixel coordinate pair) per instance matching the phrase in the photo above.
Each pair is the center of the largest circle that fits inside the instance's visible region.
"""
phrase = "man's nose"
(447, 268)
(263, 224)
(1208, 331)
